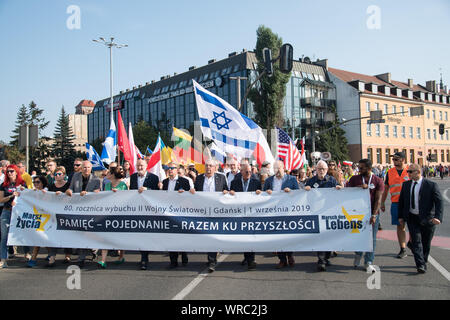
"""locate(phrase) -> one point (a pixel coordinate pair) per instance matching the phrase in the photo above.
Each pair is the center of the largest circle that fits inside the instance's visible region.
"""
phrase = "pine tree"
(63, 148)
(22, 119)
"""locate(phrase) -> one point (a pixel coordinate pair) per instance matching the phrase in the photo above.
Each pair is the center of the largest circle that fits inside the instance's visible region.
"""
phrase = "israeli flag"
(232, 131)
(94, 158)
(109, 146)
(217, 153)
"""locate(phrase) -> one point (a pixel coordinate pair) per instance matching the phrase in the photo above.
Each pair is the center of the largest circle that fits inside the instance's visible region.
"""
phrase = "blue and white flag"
(217, 153)
(109, 146)
(149, 151)
(94, 158)
(232, 131)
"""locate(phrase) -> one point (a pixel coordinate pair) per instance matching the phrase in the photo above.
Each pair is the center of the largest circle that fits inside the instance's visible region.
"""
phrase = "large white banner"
(316, 220)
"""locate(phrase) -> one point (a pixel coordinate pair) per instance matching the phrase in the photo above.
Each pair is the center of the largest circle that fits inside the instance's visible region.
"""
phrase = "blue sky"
(43, 60)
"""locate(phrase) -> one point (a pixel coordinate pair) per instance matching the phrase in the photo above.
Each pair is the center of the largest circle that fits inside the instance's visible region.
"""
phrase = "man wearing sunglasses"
(76, 168)
(420, 205)
(393, 184)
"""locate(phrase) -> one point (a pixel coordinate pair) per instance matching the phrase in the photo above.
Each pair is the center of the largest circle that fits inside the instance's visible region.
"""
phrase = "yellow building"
(416, 136)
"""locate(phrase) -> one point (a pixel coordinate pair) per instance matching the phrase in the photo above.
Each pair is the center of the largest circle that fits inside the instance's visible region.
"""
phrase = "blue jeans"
(5, 222)
(370, 256)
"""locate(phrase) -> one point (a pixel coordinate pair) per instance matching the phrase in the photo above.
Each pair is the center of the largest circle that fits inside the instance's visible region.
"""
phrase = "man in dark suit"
(141, 181)
(246, 183)
(180, 184)
(82, 183)
(211, 181)
(418, 198)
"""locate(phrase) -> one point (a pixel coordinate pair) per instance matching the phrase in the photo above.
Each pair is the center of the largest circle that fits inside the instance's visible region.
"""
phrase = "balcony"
(317, 103)
(308, 122)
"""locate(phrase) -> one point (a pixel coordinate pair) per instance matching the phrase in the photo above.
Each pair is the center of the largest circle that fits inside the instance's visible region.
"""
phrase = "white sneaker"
(357, 261)
(3, 264)
(28, 257)
(370, 268)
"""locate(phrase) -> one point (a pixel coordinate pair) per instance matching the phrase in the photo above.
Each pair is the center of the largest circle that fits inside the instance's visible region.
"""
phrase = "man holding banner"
(211, 181)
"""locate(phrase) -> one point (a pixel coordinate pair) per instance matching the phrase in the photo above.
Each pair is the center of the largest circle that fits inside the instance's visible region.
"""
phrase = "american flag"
(288, 152)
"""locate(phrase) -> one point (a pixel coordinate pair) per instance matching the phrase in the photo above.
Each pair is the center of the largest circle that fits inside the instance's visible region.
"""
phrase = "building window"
(367, 106)
(379, 155)
(385, 108)
(446, 135)
(434, 134)
(402, 109)
(394, 109)
(377, 130)
(411, 155)
(387, 154)
(411, 132)
(446, 116)
(406, 155)
(418, 133)
(369, 130)
(376, 106)
(428, 113)
(386, 131)
(369, 154)
(442, 156)
(429, 134)
(394, 131)
(448, 155)
(434, 115)
(403, 132)
(440, 115)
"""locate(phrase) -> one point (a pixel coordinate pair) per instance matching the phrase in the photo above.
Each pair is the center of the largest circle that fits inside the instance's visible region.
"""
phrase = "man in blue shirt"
(322, 180)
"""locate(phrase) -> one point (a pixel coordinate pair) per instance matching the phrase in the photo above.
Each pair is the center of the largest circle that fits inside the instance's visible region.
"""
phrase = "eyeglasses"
(36, 182)
(411, 171)
(172, 168)
(10, 171)
(77, 164)
(59, 174)
(396, 159)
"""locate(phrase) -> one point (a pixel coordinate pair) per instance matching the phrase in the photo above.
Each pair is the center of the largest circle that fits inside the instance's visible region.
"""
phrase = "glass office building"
(170, 101)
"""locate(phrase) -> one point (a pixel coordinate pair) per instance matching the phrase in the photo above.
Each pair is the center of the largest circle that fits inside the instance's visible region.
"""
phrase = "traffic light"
(286, 58)
(267, 53)
(441, 129)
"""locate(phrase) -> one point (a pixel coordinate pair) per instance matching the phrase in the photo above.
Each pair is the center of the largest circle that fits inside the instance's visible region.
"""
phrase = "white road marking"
(439, 268)
(191, 286)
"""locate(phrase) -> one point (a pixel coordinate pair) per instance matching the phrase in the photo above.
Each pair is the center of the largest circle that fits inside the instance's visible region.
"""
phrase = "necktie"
(413, 197)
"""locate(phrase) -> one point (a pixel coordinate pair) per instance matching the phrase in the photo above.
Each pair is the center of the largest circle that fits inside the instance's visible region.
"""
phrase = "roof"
(348, 76)
(86, 103)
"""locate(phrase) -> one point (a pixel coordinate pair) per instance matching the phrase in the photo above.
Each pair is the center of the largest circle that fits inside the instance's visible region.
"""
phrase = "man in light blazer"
(211, 181)
(420, 205)
(82, 183)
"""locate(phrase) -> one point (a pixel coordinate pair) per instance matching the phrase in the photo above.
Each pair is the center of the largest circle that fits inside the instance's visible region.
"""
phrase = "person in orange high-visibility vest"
(393, 184)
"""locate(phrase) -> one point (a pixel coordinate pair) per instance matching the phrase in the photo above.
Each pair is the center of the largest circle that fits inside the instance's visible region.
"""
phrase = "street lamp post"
(110, 44)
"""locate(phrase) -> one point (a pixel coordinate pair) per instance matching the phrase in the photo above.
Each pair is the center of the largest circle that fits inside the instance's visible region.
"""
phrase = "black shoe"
(321, 267)
(379, 227)
(409, 245)
(252, 266)
(402, 254)
(211, 267)
(421, 269)
(184, 263)
(244, 262)
(143, 265)
(81, 264)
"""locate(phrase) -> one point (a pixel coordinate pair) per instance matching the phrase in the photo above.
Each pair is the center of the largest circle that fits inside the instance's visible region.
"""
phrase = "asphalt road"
(398, 277)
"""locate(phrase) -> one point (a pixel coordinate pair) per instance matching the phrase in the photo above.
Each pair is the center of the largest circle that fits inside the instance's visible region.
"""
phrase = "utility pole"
(238, 89)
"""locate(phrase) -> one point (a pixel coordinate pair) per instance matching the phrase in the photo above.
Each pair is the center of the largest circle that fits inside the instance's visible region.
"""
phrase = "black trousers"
(212, 257)
(144, 256)
(249, 257)
(421, 234)
(283, 256)
(323, 256)
(174, 257)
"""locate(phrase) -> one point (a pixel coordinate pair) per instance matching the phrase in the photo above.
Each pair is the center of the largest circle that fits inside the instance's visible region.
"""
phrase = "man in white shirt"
(234, 170)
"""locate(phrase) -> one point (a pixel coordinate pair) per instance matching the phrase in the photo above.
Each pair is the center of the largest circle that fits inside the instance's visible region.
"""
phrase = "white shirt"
(141, 180)
(209, 185)
(230, 178)
(172, 183)
(277, 183)
(416, 196)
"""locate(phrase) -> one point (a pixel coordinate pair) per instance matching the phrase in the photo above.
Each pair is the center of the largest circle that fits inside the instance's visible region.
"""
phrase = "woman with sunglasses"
(115, 176)
(60, 186)
(9, 190)
(40, 183)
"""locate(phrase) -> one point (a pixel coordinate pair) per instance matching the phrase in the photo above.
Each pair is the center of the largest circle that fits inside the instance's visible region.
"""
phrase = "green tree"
(63, 148)
(335, 142)
(268, 96)
(22, 119)
(144, 136)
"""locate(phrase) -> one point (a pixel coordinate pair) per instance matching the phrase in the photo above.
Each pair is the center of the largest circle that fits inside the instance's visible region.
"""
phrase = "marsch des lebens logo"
(353, 222)
(33, 220)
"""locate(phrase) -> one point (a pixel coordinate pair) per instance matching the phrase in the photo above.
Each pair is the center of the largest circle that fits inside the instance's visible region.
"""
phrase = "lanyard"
(370, 179)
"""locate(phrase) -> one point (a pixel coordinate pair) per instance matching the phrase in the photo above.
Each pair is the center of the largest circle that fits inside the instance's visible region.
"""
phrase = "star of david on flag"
(231, 131)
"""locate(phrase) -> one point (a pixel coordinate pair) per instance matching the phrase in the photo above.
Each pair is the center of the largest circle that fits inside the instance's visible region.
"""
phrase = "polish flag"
(133, 160)
(155, 165)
